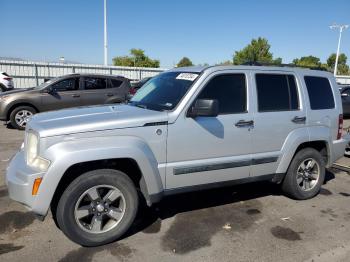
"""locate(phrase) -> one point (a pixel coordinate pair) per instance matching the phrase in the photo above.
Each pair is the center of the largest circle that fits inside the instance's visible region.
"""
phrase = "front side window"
(69, 84)
(92, 83)
(320, 92)
(164, 92)
(229, 90)
(276, 92)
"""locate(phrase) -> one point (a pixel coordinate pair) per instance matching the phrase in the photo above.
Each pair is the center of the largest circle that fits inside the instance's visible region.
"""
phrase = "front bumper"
(19, 180)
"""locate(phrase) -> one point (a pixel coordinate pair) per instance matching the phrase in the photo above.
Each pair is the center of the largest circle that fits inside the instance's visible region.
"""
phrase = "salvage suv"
(184, 130)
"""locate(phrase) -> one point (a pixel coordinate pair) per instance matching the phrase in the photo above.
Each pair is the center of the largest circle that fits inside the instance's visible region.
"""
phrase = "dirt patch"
(154, 228)
(253, 212)
(3, 192)
(15, 220)
(8, 248)
(325, 192)
(194, 229)
(285, 233)
(118, 250)
(329, 212)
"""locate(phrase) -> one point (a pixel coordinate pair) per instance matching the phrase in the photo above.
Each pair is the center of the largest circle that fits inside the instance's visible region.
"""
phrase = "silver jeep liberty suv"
(186, 129)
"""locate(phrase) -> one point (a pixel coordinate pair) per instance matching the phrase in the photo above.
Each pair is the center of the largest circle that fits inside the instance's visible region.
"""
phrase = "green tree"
(343, 68)
(185, 61)
(308, 61)
(227, 62)
(137, 58)
(257, 51)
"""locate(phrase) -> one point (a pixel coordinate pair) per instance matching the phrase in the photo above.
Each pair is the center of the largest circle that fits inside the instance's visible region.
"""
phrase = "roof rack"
(257, 63)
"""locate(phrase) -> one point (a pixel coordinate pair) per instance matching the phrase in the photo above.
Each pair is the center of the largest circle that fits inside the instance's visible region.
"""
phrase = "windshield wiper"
(141, 106)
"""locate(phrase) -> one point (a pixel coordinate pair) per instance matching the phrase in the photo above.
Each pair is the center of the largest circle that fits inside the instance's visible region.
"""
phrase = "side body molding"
(67, 153)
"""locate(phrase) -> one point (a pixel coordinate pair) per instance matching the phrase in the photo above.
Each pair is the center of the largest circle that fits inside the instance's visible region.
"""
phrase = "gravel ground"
(253, 222)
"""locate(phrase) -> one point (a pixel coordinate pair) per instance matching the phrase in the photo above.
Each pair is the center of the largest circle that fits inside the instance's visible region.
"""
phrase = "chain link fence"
(28, 74)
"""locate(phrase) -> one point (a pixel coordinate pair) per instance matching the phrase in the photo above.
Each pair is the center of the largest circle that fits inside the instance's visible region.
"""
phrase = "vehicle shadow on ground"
(189, 202)
(170, 206)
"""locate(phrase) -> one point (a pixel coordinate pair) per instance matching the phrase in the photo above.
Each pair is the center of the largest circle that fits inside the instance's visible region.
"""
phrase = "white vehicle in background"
(6, 82)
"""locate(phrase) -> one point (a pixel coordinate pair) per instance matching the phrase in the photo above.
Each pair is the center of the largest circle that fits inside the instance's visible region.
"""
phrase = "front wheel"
(305, 175)
(98, 207)
(20, 116)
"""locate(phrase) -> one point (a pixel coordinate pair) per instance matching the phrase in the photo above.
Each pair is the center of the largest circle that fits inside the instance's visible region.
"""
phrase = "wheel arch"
(15, 105)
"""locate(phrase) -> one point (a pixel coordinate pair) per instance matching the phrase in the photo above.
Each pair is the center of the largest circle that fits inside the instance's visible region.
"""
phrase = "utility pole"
(341, 28)
(105, 34)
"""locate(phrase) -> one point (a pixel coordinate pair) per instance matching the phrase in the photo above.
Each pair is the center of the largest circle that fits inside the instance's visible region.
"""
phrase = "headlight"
(32, 150)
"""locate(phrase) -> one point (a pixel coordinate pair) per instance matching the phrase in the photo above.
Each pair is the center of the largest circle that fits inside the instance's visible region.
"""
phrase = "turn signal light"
(36, 186)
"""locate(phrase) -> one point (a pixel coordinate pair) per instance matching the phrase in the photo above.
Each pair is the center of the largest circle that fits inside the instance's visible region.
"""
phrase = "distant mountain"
(11, 58)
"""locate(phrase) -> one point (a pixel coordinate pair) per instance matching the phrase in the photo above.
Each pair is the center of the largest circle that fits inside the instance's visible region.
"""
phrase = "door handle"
(110, 94)
(243, 123)
(75, 95)
(299, 120)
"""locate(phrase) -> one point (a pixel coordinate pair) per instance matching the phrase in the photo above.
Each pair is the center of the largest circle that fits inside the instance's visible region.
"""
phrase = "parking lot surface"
(252, 222)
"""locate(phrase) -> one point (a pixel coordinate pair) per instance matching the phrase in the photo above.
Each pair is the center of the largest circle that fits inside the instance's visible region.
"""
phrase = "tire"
(84, 235)
(2, 88)
(27, 111)
(309, 186)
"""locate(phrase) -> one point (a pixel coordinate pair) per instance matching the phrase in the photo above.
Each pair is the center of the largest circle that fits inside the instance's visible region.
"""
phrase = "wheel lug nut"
(98, 214)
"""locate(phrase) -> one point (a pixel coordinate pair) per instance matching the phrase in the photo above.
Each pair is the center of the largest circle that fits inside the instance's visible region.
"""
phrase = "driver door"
(65, 93)
(205, 150)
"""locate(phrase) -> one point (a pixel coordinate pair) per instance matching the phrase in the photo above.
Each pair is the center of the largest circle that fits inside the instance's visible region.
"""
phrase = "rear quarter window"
(116, 83)
(320, 92)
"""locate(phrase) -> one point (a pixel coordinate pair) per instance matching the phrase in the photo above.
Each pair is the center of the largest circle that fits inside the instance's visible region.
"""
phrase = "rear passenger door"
(279, 111)
(95, 90)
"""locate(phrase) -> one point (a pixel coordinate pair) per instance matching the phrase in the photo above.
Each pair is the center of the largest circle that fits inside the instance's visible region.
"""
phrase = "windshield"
(45, 84)
(164, 91)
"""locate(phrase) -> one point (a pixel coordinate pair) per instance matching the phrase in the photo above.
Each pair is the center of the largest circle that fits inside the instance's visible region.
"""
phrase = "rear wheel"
(305, 175)
(20, 116)
(98, 207)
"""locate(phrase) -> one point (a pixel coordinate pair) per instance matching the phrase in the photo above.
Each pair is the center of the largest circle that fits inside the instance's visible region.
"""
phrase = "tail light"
(340, 127)
(7, 78)
(132, 91)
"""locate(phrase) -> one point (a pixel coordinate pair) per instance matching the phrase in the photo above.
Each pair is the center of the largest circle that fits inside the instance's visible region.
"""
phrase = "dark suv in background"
(67, 91)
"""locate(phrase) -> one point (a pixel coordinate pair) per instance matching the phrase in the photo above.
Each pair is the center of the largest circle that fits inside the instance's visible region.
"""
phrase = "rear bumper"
(338, 148)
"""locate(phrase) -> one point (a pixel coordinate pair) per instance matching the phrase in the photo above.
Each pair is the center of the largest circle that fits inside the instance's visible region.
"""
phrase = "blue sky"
(205, 31)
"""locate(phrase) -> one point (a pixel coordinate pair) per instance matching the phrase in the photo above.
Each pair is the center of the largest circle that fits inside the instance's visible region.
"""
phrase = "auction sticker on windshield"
(187, 76)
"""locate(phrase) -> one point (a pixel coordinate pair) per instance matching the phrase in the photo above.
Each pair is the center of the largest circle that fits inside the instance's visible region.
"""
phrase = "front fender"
(68, 153)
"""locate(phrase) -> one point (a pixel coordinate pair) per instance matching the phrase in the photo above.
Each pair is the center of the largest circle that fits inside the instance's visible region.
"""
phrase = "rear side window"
(229, 90)
(116, 83)
(92, 83)
(276, 92)
(320, 92)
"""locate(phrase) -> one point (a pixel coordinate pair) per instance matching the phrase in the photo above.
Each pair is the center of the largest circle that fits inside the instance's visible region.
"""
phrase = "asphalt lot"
(244, 223)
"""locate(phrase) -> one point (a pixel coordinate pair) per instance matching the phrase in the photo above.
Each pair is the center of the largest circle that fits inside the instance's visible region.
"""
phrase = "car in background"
(6, 82)
(345, 98)
(135, 86)
(17, 106)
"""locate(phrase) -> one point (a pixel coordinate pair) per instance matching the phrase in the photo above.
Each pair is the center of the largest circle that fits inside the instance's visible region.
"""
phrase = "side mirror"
(344, 95)
(204, 107)
(50, 90)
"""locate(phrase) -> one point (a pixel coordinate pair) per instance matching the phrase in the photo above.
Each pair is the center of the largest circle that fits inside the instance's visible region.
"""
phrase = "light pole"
(105, 34)
(341, 28)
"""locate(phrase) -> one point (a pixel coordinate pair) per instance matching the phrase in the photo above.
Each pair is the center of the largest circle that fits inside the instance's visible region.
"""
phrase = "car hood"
(96, 118)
